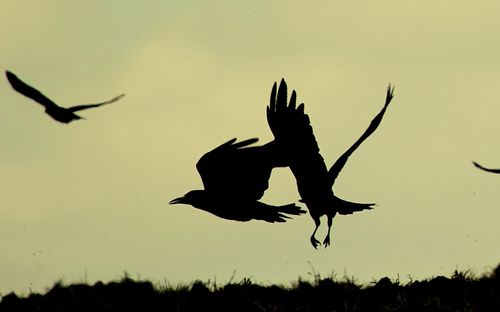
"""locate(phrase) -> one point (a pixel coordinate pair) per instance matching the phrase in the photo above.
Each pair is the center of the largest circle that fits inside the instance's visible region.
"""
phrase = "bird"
(58, 113)
(235, 176)
(314, 181)
(486, 169)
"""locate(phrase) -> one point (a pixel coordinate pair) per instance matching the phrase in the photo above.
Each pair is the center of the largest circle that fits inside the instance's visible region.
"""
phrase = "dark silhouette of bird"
(61, 114)
(314, 180)
(235, 176)
(486, 169)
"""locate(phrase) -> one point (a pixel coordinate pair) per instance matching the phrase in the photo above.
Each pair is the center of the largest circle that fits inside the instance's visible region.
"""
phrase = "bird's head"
(194, 198)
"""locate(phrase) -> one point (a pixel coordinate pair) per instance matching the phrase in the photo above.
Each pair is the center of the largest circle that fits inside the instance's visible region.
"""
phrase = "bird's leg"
(326, 242)
(314, 241)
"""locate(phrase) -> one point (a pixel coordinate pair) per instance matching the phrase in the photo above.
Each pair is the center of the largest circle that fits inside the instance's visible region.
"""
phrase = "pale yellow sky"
(90, 199)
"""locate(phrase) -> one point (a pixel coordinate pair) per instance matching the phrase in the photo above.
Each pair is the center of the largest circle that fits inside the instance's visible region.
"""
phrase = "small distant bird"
(486, 169)
(314, 180)
(61, 114)
(235, 176)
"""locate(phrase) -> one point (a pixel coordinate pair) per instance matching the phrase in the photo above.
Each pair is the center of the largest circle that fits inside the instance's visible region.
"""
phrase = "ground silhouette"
(235, 176)
(460, 292)
(61, 114)
(486, 169)
(314, 181)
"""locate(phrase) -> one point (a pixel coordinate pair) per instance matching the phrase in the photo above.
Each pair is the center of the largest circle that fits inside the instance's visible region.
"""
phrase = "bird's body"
(61, 114)
(314, 180)
(238, 209)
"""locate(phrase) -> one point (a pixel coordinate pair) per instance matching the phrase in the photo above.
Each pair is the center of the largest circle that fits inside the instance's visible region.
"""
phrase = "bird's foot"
(326, 242)
(315, 242)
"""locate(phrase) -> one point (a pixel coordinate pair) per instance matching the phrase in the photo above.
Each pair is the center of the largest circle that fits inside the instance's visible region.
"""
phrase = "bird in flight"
(486, 169)
(314, 180)
(235, 176)
(61, 114)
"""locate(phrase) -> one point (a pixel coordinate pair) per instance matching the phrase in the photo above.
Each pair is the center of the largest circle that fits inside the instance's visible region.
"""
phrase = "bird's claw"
(315, 242)
(326, 242)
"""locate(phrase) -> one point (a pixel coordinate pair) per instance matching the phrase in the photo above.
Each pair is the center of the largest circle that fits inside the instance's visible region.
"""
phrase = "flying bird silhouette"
(61, 114)
(486, 169)
(235, 176)
(314, 180)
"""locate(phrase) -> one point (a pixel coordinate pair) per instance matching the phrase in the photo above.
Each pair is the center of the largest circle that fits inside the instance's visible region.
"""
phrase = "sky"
(88, 201)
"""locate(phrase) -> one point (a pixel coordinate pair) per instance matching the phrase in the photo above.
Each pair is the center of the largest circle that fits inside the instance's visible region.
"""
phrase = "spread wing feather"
(236, 170)
(85, 106)
(486, 169)
(28, 91)
(339, 164)
(289, 124)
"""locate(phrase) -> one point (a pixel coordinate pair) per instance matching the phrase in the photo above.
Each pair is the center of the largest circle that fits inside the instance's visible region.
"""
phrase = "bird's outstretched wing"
(28, 91)
(486, 169)
(85, 106)
(339, 164)
(295, 139)
(289, 124)
(236, 170)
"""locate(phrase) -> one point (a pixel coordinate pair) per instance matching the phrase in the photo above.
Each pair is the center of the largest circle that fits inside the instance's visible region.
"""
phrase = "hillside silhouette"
(460, 292)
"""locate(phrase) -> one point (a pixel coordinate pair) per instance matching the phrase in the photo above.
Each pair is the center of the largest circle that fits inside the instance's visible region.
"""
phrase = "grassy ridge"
(460, 292)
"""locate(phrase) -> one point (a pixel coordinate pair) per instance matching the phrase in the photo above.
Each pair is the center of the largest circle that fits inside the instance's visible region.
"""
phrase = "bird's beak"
(178, 200)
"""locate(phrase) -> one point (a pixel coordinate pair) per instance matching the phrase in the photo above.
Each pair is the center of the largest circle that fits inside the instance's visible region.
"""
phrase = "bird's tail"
(345, 207)
(270, 213)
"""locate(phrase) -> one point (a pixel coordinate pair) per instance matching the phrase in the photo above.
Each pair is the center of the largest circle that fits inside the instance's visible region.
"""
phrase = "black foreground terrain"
(460, 292)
